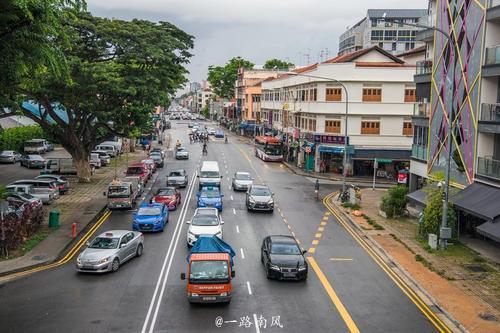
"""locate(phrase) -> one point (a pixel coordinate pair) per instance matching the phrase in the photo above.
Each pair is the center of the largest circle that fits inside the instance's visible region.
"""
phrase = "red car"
(139, 170)
(170, 196)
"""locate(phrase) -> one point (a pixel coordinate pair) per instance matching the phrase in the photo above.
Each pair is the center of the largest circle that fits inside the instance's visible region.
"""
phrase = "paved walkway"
(81, 205)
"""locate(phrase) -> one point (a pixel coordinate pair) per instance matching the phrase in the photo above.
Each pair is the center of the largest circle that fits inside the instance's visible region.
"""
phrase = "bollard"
(73, 230)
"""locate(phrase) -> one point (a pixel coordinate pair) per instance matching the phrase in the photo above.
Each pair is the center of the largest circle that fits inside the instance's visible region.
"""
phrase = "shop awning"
(419, 197)
(392, 154)
(490, 230)
(480, 200)
(330, 149)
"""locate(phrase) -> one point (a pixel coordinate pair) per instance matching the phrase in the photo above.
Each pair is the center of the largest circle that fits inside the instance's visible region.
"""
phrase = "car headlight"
(224, 294)
(79, 260)
(274, 267)
(103, 261)
(158, 221)
(193, 294)
(271, 201)
(302, 268)
(251, 200)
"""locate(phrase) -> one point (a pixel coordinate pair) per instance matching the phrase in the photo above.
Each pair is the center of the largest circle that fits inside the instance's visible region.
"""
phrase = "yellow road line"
(424, 308)
(315, 242)
(325, 218)
(321, 229)
(322, 224)
(66, 258)
(318, 235)
(311, 250)
(333, 296)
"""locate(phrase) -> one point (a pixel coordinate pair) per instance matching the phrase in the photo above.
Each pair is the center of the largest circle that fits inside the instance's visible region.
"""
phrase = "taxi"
(210, 197)
(150, 217)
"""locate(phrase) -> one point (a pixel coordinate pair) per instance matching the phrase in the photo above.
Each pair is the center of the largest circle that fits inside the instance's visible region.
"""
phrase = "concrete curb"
(450, 321)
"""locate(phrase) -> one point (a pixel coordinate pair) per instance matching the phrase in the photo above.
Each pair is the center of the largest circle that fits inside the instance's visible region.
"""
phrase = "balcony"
(419, 152)
(488, 167)
(489, 120)
(422, 109)
(491, 65)
(423, 71)
(493, 12)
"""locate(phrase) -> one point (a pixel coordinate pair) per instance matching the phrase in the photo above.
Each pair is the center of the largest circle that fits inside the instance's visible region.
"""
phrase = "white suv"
(205, 221)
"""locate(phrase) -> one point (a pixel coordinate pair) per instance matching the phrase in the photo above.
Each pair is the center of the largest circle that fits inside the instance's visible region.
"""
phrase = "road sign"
(384, 160)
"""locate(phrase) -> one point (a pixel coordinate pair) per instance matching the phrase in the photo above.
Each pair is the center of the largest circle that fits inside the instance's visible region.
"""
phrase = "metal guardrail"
(488, 167)
(422, 109)
(419, 152)
(490, 112)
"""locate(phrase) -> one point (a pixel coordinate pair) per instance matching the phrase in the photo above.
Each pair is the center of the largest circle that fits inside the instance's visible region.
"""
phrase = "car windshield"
(155, 154)
(104, 243)
(24, 196)
(135, 171)
(166, 192)
(176, 174)
(260, 192)
(209, 174)
(118, 191)
(209, 270)
(283, 248)
(149, 211)
(243, 176)
(7, 153)
(181, 149)
(210, 194)
(35, 157)
(205, 220)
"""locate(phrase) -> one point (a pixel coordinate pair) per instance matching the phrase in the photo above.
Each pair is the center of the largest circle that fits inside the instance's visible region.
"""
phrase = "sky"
(299, 31)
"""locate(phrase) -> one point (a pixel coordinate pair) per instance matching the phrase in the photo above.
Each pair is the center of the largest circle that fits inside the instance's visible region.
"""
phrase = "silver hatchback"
(109, 250)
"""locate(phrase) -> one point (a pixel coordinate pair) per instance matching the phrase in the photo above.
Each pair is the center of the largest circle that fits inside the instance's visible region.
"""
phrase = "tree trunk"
(83, 169)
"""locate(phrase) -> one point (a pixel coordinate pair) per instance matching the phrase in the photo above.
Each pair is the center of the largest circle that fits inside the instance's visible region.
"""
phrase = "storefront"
(389, 162)
(331, 159)
(308, 150)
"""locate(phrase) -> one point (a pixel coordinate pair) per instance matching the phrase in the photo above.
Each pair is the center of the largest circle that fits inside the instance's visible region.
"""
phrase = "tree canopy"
(278, 64)
(222, 78)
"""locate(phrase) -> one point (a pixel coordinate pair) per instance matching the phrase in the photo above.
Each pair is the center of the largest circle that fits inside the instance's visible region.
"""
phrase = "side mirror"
(87, 243)
(188, 222)
(233, 274)
(198, 194)
(304, 251)
(123, 245)
(183, 276)
(221, 222)
(197, 176)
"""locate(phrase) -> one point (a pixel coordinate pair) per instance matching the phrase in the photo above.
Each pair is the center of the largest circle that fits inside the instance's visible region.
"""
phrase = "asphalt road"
(147, 295)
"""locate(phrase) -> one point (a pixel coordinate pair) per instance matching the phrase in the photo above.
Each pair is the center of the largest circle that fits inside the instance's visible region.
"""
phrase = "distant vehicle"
(158, 150)
(260, 197)
(9, 156)
(36, 146)
(181, 153)
(150, 163)
(283, 258)
(110, 149)
(45, 195)
(219, 134)
(140, 170)
(109, 250)
(168, 124)
(269, 148)
(60, 166)
(190, 125)
(116, 144)
(157, 158)
(210, 197)
(104, 157)
(211, 131)
(23, 198)
(136, 183)
(33, 161)
(177, 178)
(61, 181)
(40, 186)
(121, 194)
(241, 181)
(95, 160)
(205, 221)
(210, 271)
(170, 196)
(209, 175)
(150, 217)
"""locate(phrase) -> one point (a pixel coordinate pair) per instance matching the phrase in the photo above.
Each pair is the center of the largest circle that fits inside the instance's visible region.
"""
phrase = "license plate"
(288, 274)
(209, 298)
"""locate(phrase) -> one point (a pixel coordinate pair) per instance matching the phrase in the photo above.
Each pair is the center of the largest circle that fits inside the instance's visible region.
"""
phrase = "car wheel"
(268, 276)
(139, 250)
(261, 258)
(115, 265)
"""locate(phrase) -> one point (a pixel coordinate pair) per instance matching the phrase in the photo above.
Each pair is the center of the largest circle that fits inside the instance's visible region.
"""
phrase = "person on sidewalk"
(322, 166)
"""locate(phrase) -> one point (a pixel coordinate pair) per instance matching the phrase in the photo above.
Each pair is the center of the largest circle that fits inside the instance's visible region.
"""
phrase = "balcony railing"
(488, 167)
(493, 3)
(490, 112)
(422, 109)
(493, 55)
(424, 67)
(418, 151)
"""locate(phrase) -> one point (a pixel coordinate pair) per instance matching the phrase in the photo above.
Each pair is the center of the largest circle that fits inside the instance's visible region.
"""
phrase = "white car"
(205, 221)
(211, 131)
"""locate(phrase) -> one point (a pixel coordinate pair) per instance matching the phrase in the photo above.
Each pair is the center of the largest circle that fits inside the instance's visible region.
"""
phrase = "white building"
(203, 98)
(380, 27)
(311, 112)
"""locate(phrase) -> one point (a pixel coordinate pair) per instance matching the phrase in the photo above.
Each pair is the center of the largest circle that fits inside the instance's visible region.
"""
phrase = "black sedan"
(283, 258)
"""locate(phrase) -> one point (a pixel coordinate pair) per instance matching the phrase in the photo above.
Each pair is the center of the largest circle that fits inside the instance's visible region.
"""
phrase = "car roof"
(283, 239)
(178, 170)
(147, 204)
(113, 233)
(164, 188)
(260, 186)
(206, 211)
(242, 173)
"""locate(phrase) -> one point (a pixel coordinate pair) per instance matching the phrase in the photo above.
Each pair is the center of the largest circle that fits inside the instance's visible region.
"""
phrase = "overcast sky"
(254, 29)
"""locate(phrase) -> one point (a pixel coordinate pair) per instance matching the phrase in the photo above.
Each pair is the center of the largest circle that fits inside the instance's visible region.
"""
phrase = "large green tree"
(222, 78)
(118, 71)
(278, 64)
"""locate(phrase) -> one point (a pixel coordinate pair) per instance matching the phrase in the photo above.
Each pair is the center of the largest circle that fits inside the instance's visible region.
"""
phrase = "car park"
(181, 153)
(205, 221)
(210, 197)
(95, 160)
(23, 198)
(45, 195)
(33, 161)
(110, 149)
(9, 156)
(283, 259)
(170, 196)
(36, 146)
(48, 185)
(178, 178)
(260, 197)
(108, 251)
(150, 217)
(60, 166)
(61, 181)
(241, 181)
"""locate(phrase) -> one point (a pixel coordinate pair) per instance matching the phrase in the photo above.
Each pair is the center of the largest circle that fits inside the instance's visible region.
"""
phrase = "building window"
(374, 22)
(390, 35)
(332, 126)
(377, 35)
(307, 95)
(388, 23)
(372, 94)
(381, 45)
(394, 46)
(315, 94)
(370, 127)
(410, 95)
(407, 128)
(333, 94)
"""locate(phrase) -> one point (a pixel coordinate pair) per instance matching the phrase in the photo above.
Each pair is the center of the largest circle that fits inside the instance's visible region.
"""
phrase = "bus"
(269, 148)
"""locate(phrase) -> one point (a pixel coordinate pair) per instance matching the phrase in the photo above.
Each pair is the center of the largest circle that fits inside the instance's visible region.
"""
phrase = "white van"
(95, 160)
(116, 144)
(209, 174)
(110, 149)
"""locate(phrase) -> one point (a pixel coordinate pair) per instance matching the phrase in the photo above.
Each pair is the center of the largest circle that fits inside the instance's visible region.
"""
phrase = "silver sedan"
(109, 250)
(241, 181)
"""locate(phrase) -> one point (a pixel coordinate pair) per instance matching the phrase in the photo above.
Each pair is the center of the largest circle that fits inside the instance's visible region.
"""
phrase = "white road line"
(257, 328)
(234, 211)
(249, 288)
(227, 172)
(232, 198)
(157, 300)
(229, 186)
(242, 253)
(237, 229)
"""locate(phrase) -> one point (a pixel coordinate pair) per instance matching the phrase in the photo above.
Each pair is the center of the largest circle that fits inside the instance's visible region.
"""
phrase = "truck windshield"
(118, 191)
(135, 171)
(208, 270)
(33, 144)
(210, 174)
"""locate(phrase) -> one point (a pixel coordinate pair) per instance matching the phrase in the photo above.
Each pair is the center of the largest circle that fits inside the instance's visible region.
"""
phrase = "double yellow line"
(64, 259)
(424, 308)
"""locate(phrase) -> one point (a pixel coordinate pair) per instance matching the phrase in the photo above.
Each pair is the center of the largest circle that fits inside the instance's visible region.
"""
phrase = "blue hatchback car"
(150, 217)
(219, 134)
(210, 197)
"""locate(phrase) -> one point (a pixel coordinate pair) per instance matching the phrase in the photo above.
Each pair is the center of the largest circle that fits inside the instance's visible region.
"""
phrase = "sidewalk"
(81, 205)
(463, 282)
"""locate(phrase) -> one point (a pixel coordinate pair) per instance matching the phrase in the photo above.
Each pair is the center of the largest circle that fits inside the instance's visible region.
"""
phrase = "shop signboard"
(326, 138)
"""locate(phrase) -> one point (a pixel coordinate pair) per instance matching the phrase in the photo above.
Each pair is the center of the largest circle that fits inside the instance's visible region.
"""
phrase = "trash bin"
(54, 219)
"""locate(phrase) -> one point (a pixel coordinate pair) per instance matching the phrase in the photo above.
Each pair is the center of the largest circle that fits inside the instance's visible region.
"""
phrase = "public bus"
(269, 148)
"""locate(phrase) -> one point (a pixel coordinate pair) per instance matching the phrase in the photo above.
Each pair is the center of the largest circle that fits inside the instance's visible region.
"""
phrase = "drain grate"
(487, 316)
(475, 268)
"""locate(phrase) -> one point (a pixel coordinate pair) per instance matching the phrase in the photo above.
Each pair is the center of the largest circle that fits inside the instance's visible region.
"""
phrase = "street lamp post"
(344, 182)
(450, 79)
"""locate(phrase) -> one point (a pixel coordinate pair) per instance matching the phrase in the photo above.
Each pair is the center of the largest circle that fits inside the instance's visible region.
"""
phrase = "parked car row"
(46, 188)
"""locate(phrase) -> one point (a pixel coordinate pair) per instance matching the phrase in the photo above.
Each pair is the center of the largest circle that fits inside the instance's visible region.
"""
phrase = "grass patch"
(33, 241)
(396, 238)
(373, 223)
(354, 206)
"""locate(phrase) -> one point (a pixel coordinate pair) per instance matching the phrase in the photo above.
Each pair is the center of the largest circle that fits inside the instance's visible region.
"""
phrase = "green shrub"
(14, 138)
(433, 213)
(394, 202)
(354, 206)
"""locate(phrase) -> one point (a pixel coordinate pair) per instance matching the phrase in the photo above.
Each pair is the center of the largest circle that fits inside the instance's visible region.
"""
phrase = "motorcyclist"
(225, 139)
(177, 143)
(205, 150)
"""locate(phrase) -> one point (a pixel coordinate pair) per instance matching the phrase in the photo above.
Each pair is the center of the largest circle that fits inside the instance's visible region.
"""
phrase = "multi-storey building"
(310, 112)
(203, 98)
(381, 27)
(458, 88)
